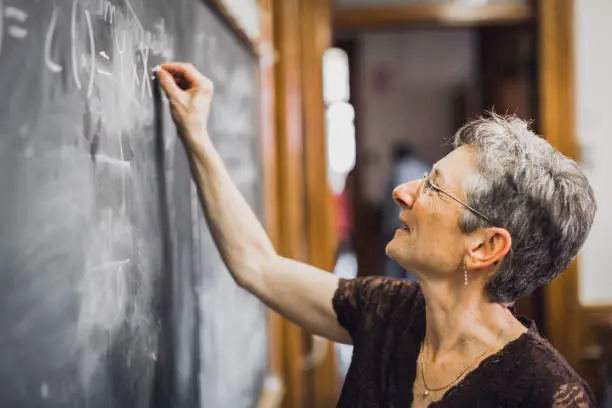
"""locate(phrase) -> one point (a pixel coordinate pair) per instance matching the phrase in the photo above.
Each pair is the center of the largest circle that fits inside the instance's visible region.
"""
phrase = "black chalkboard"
(111, 291)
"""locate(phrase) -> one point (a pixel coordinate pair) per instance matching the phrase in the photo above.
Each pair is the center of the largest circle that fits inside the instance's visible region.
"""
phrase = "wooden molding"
(252, 43)
(316, 38)
(274, 386)
(557, 124)
(392, 16)
(290, 176)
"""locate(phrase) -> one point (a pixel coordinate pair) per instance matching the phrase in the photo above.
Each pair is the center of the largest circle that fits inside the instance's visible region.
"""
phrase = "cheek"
(440, 234)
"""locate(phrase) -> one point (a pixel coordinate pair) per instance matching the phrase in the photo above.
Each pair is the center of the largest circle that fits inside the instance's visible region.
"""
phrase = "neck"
(460, 319)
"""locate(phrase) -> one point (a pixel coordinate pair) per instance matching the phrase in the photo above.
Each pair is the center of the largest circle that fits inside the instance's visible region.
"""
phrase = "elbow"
(254, 271)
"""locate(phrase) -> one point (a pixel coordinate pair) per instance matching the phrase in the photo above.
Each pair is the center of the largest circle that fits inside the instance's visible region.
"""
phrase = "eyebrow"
(436, 173)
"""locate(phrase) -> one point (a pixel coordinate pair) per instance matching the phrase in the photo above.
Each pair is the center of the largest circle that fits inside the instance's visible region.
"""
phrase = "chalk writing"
(16, 14)
(73, 43)
(109, 12)
(146, 83)
(90, 58)
(44, 390)
(103, 72)
(20, 16)
(111, 265)
(53, 67)
(92, 68)
(131, 9)
(12, 14)
(124, 164)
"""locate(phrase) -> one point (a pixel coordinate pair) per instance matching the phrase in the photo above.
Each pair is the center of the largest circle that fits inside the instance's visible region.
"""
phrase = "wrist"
(201, 151)
(197, 139)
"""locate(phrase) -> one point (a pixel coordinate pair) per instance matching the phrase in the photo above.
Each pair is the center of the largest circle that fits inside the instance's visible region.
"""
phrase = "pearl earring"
(465, 276)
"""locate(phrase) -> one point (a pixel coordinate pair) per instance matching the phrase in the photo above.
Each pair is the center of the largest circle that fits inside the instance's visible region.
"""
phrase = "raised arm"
(297, 291)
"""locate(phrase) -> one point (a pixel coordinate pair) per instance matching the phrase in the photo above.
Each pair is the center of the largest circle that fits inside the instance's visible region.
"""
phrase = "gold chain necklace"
(428, 390)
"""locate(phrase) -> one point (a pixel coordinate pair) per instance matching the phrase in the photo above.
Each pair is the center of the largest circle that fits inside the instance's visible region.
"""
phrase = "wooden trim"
(387, 16)
(316, 27)
(252, 43)
(289, 128)
(268, 132)
(274, 386)
(557, 123)
(597, 309)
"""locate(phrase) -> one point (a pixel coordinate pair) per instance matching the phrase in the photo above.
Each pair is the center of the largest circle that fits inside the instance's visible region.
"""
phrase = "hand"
(190, 95)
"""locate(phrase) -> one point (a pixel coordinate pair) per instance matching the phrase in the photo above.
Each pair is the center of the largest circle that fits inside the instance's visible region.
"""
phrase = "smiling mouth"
(404, 226)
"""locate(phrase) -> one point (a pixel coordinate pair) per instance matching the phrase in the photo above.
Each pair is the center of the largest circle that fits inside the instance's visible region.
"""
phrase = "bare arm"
(298, 291)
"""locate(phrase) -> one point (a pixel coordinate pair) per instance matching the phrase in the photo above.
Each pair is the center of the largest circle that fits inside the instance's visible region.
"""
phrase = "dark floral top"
(386, 320)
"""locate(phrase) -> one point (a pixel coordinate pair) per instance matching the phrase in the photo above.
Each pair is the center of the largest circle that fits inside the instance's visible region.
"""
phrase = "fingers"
(187, 77)
(168, 84)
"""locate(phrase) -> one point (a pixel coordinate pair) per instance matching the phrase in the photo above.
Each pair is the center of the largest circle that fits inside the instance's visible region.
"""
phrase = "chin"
(389, 250)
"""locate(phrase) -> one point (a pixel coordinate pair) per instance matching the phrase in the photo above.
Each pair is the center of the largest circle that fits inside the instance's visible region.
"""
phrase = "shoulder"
(552, 382)
(382, 292)
(363, 302)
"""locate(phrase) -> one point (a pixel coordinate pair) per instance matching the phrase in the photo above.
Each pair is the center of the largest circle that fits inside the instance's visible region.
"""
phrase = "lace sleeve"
(572, 395)
(359, 303)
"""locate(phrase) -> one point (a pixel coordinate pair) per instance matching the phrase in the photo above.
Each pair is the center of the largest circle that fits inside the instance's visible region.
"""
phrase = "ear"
(487, 247)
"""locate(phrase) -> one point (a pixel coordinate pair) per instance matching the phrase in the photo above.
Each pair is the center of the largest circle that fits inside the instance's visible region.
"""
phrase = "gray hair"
(541, 197)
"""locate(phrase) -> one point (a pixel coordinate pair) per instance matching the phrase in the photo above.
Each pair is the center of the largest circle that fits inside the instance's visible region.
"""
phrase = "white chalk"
(155, 70)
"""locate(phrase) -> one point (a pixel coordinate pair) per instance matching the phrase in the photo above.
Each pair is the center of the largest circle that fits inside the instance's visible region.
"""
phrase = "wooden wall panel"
(299, 207)
(291, 194)
(447, 15)
(316, 39)
(556, 123)
(274, 387)
(570, 326)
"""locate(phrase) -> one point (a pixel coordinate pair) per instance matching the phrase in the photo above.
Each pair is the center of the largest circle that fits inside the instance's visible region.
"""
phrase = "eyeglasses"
(427, 185)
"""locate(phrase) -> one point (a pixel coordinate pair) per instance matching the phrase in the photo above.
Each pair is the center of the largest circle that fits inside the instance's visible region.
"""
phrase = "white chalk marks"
(53, 67)
(119, 163)
(121, 52)
(73, 50)
(103, 72)
(17, 17)
(15, 14)
(146, 82)
(111, 265)
(92, 51)
(109, 12)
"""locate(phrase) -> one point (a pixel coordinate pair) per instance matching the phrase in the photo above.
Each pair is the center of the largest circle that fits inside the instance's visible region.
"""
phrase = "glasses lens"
(425, 186)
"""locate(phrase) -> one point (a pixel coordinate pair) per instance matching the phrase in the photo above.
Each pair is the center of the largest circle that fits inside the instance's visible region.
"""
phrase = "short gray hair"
(541, 197)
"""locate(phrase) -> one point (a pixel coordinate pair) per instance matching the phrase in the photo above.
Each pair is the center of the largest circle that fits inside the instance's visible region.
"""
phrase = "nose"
(406, 194)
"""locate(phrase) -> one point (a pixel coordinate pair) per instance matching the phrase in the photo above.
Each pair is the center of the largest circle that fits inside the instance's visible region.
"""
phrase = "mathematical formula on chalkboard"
(91, 49)
(112, 293)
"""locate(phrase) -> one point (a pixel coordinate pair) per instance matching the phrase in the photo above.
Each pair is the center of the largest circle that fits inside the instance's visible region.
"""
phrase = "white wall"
(593, 32)
(406, 88)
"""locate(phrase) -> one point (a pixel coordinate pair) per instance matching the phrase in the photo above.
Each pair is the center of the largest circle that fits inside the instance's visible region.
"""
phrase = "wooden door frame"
(299, 212)
(381, 16)
(570, 325)
(316, 39)
(556, 122)
(287, 167)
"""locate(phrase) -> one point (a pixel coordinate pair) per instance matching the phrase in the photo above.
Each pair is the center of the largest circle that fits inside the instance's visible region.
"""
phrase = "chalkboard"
(111, 291)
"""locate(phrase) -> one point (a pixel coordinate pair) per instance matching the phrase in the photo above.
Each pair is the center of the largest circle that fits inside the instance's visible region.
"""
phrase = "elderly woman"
(501, 215)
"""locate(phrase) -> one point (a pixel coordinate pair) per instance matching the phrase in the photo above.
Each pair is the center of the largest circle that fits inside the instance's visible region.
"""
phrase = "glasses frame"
(426, 181)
